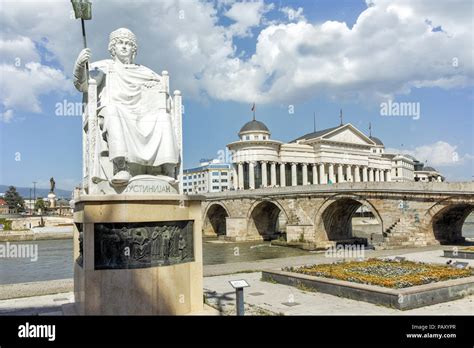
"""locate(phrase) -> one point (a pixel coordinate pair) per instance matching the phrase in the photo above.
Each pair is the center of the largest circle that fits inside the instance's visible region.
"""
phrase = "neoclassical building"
(333, 155)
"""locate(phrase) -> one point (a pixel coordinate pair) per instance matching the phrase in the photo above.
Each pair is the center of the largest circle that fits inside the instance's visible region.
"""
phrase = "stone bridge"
(403, 214)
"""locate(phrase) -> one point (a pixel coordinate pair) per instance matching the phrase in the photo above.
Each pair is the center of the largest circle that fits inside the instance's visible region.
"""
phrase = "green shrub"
(7, 224)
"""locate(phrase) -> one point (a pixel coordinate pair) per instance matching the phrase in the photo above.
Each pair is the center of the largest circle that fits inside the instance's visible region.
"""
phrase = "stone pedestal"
(52, 199)
(138, 255)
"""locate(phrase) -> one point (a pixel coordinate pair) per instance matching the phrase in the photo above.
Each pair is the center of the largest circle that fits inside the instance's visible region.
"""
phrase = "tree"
(13, 199)
(40, 204)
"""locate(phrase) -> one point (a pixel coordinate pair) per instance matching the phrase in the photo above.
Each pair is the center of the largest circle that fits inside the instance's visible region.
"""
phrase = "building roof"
(207, 167)
(316, 134)
(2, 202)
(376, 140)
(254, 125)
(429, 169)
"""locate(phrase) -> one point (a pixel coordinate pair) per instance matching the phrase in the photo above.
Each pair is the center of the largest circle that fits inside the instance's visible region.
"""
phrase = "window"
(215, 173)
(224, 174)
(215, 180)
(247, 137)
(224, 180)
(215, 187)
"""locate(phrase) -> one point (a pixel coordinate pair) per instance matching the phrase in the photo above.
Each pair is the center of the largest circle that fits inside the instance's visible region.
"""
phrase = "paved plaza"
(261, 298)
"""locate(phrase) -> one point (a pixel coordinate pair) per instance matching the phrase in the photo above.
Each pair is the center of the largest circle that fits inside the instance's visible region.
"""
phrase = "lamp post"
(34, 195)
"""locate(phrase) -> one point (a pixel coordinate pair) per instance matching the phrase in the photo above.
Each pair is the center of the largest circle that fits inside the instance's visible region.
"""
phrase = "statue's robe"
(135, 126)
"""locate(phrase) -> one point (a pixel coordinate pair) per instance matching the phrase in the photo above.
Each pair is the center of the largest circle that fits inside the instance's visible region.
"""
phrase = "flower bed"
(389, 274)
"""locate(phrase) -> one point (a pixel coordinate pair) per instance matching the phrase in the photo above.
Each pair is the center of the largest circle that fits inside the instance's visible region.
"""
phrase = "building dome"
(254, 126)
(376, 140)
(429, 169)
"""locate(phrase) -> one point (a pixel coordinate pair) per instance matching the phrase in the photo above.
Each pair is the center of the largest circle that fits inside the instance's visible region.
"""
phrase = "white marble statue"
(138, 124)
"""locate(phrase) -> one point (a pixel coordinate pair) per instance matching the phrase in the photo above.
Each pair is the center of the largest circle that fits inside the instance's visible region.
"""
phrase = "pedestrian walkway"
(263, 298)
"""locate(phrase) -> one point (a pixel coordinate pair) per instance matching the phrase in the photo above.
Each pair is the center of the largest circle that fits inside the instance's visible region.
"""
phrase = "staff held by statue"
(83, 10)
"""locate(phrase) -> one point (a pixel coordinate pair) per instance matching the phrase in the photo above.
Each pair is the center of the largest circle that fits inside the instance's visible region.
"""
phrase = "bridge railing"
(459, 188)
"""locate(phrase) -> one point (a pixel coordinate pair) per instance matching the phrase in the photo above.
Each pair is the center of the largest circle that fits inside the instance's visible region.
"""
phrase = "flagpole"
(314, 121)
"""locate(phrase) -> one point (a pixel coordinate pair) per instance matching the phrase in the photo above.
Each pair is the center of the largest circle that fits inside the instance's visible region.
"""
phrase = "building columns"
(315, 173)
(322, 174)
(382, 175)
(235, 177)
(340, 176)
(377, 175)
(364, 174)
(241, 176)
(294, 178)
(264, 174)
(273, 175)
(356, 174)
(371, 174)
(282, 175)
(305, 174)
(349, 173)
(389, 175)
(252, 175)
(331, 173)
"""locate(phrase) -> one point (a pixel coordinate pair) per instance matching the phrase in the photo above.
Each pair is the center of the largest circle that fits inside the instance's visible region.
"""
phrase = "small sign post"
(239, 286)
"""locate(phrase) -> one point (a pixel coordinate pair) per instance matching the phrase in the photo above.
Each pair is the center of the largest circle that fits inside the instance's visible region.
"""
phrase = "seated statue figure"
(135, 134)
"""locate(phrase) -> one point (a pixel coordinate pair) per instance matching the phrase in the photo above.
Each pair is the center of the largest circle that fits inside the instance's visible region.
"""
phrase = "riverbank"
(263, 298)
(37, 233)
(426, 254)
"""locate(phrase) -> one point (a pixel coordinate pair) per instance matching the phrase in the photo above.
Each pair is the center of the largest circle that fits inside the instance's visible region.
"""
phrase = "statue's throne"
(97, 166)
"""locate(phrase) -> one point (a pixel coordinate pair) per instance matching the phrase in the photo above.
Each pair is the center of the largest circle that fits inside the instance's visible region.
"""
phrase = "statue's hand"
(84, 56)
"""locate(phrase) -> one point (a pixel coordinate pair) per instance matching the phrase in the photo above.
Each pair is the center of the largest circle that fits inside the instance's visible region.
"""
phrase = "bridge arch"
(333, 220)
(214, 219)
(263, 219)
(446, 219)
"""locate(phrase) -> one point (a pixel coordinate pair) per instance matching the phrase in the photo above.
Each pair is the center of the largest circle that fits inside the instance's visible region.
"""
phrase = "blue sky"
(312, 56)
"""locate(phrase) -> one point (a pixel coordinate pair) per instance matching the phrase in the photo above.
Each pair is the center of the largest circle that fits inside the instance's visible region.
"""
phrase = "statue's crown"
(123, 33)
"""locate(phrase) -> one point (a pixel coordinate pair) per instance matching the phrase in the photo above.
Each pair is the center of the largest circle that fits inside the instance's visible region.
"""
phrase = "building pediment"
(348, 134)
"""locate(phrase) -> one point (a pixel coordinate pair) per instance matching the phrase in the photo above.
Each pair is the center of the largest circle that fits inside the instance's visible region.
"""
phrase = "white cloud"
(22, 86)
(247, 15)
(389, 50)
(17, 51)
(440, 154)
(6, 116)
(24, 78)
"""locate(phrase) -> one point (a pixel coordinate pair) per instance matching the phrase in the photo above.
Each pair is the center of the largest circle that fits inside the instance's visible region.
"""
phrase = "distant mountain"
(40, 192)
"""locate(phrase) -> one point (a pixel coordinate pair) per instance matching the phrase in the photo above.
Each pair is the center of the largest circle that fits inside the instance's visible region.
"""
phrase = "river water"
(55, 257)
